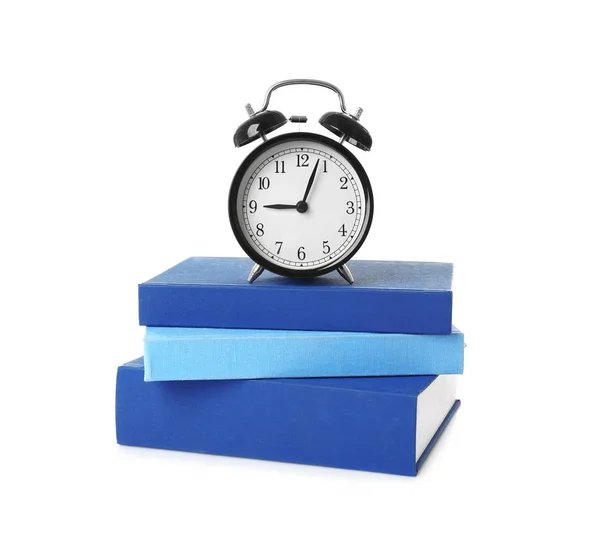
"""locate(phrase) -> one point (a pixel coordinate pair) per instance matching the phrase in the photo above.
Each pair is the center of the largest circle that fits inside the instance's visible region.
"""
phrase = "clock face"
(301, 204)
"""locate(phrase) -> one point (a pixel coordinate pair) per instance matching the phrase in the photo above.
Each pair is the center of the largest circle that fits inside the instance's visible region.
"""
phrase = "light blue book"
(174, 354)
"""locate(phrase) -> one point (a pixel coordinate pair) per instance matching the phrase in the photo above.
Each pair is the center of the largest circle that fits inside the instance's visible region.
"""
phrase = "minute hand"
(311, 181)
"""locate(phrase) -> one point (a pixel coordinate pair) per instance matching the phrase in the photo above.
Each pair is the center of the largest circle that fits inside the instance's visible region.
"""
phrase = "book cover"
(387, 297)
(383, 424)
(207, 353)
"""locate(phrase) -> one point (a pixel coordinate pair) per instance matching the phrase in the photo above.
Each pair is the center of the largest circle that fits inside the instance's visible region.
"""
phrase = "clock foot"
(256, 271)
(344, 271)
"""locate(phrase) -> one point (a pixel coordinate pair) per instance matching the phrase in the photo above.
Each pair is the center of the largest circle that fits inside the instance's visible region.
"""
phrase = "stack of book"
(311, 371)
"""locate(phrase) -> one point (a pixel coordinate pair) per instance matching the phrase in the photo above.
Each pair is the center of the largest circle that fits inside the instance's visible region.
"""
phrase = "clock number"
(342, 230)
(263, 183)
(260, 229)
(301, 253)
(324, 166)
(350, 209)
(303, 158)
(252, 206)
(277, 171)
(280, 244)
(344, 181)
(326, 247)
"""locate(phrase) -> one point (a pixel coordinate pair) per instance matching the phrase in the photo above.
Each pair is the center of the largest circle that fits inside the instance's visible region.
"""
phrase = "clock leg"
(256, 271)
(344, 271)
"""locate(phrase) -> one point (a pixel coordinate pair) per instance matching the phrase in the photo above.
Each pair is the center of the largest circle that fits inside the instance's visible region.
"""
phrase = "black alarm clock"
(301, 204)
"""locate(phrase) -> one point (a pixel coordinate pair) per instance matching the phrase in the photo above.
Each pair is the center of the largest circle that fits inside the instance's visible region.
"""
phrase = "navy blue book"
(382, 424)
(387, 297)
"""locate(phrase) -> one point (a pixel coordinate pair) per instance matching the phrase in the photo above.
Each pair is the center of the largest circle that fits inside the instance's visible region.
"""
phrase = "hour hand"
(280, 206)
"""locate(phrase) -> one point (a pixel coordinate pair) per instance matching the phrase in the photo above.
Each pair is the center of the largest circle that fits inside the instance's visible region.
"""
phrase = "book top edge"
(401, 385)
(233, 272)
(160, 333)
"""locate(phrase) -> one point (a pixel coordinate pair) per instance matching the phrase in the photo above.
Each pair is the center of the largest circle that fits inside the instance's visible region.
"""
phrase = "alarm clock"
(301, 204)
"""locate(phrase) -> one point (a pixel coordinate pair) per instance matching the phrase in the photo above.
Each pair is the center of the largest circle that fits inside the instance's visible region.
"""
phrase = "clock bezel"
(234, 191)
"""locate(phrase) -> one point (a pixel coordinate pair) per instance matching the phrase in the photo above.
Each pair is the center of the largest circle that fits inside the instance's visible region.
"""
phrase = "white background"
(116, 154)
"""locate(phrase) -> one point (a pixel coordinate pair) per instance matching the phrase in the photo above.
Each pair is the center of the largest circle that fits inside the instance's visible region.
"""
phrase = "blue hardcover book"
(385, 424)
(387, 297)
(198, 353)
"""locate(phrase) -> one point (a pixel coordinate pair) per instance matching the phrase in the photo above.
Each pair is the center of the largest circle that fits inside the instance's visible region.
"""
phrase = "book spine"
(176, 354)
(376, 311)
(265, 419)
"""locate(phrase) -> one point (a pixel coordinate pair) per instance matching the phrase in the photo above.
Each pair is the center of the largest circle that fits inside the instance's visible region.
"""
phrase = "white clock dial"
(302, 206)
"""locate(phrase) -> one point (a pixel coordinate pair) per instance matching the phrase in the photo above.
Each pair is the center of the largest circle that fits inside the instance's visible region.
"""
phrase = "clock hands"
(301, 206)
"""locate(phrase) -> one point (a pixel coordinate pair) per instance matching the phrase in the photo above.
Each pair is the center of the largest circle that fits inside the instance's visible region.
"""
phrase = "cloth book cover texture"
(356, 423)
(387, 297)
(197, 353)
